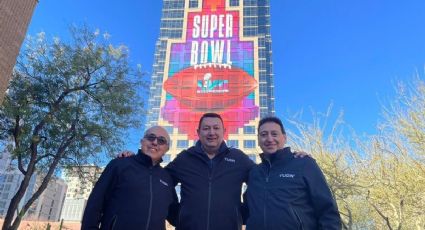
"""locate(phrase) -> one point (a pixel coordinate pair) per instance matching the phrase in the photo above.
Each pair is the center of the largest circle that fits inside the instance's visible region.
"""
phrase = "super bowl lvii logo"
(209, 86)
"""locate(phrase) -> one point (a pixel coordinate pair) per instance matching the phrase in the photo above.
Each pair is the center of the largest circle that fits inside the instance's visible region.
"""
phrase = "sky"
(349, 54)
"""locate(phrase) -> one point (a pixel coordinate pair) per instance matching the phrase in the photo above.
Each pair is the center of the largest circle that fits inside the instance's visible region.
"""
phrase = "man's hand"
(301, 154)
(125, 153)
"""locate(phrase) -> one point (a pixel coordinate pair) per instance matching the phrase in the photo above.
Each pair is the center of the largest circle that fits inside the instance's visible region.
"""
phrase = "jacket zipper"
(209, 195)
(298, 218)
(238, 218)
(150, 201)
(265, 193)
(114, 220)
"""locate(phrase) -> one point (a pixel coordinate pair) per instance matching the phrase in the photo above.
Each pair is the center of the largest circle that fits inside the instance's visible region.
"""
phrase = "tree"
(396, 161)
(67, 102)
(396, 184)
(406, 116)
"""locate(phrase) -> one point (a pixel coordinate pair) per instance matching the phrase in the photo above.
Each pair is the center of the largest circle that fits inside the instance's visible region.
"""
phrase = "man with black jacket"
(286, 192)
(211, 176)
(135, 192)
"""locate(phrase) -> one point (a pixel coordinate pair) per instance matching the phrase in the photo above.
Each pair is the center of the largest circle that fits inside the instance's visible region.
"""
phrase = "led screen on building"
(212, 69)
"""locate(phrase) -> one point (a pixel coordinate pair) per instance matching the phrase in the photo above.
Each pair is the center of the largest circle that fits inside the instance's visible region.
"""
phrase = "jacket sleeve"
(96, 202)
(172, 169)
(173, 210)
(321, 197)
(248, 165)
(245, 208)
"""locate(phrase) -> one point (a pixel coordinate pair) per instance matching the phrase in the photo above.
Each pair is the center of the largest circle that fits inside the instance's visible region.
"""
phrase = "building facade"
(14, 19)
(212, 56)
(46, 208)
(80, 181)
(49, 205)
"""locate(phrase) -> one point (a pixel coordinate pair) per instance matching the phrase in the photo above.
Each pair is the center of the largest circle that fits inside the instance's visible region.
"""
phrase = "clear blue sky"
(350, 53)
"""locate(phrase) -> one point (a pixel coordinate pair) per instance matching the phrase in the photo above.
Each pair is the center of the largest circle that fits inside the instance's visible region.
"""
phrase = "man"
(286, 192)
(135, 192)
(211, 176)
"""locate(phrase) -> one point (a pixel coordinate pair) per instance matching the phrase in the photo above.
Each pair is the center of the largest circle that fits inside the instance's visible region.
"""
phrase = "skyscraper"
(14, 19)
(212, 56)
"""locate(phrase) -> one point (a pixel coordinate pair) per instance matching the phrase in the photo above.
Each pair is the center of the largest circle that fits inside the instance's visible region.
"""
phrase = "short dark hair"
(216, 115)
(273, 120)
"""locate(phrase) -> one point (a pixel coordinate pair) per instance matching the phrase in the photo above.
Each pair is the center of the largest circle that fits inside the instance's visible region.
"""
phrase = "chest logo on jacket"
(286, 175)
(230, 160)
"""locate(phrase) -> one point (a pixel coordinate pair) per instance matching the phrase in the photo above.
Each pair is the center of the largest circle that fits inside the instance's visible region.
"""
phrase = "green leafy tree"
(67, 102)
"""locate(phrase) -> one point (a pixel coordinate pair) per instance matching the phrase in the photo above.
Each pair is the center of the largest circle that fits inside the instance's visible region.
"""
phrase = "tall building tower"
(80, 181)
(212, 56)
(14, 19)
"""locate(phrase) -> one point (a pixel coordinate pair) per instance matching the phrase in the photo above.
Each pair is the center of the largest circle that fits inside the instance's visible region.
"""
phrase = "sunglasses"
(152, 137)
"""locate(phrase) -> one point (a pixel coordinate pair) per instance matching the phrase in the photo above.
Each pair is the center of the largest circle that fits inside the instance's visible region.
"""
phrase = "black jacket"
(210, 189)
(289, 193)
(130, 194)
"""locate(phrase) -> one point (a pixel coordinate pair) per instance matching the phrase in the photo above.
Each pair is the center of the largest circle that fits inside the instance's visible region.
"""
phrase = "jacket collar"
(144, 159)
(281, 155)
(198, 150)
(222, 149)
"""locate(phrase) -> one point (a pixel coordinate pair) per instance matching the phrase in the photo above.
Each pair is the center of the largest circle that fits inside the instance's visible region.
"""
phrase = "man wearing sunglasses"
(135, 192)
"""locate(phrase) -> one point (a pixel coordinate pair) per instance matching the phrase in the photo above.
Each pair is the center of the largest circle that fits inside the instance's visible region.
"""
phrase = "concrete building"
(14, 19)
(4, 160)
(46, 208)
(80, 181)
(212, 56)
(49, 205)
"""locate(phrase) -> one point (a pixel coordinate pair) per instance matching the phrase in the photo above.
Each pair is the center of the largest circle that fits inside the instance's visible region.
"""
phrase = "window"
(233, 143)
(193, 4)
(2, 204)
(249, 129)
(166, 158)
(182, 144)
(249, 144)
(234, 3)
(169, 129)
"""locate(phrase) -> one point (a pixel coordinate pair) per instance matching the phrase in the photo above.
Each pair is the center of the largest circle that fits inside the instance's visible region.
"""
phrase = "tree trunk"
(14, 203)
(24, 185)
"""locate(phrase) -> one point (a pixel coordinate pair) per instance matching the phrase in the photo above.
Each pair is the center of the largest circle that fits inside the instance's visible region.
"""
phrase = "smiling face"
(271, 138)
(155, 143)
(210, 133)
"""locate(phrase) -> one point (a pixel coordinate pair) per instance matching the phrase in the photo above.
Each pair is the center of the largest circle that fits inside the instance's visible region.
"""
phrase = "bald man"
(135, 192)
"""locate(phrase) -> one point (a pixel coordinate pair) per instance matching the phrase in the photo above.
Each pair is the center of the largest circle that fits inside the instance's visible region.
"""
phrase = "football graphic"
(210, 88)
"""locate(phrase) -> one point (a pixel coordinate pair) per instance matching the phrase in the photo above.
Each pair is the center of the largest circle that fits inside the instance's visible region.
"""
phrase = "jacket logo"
(285, 175)
(163, 182)
(229, 160)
